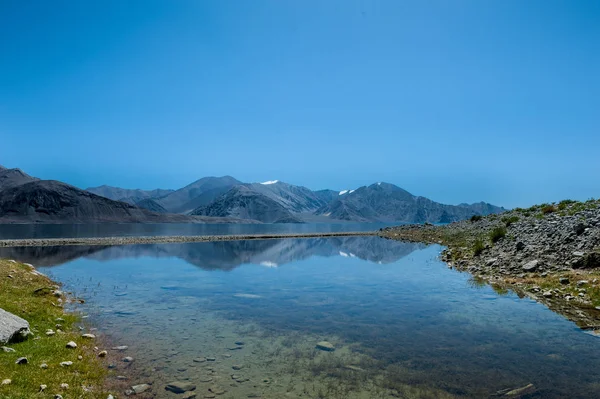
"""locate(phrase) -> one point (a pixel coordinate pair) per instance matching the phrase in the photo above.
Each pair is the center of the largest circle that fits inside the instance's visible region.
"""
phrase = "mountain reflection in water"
(228, 255)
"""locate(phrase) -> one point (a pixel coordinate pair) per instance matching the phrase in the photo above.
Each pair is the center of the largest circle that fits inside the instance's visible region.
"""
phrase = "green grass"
(546, 209)
(478, 247)
(42, 310)
(497, 233)
(508, 220)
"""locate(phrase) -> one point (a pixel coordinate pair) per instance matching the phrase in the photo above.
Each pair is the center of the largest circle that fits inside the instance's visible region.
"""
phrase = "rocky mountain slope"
(199, 193)
(131, 196)
(13, 177)
(151, 205)
(296, 199)
(246, 203)
(384, 202)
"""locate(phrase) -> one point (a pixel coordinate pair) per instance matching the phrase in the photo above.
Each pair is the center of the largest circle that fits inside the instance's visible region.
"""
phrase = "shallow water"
(403, 324)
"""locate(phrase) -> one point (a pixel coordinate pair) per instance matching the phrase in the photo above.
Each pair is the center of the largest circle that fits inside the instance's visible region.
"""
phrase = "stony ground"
(549, 252)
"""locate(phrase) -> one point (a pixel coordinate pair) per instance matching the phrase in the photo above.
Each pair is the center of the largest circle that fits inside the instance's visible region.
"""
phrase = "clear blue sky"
(459, 101)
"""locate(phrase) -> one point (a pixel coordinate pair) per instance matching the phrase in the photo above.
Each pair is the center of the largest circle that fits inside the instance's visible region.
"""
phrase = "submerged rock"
(137, 389)
(325, 346)
(180, 386)
(12, 327)
(515, 393)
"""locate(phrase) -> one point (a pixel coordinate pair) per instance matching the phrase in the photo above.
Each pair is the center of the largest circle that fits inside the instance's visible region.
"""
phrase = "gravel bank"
(44, 242)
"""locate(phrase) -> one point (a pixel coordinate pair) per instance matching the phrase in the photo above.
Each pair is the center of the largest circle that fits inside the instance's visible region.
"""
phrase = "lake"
(15, 231)
(243, 319)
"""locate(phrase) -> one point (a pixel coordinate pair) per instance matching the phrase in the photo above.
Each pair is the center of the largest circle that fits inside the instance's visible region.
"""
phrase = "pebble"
(64, 386)
(205, 379)
(71, 345)
(189, 395)
(21, 360)
(102, 354)
(137, 389)
(79, 357)
(43, 366)
(210, 359)
(199, 360)
(88, 336)
(50, 333)
(66, 364)
(6, 382)
(57, 396)
(7, 349)
(128, 359)
(237, 367)
(120, 348)
(42, 387)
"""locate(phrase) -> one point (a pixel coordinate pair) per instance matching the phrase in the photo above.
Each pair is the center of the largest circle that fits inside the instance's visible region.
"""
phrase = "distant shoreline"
(50, 242)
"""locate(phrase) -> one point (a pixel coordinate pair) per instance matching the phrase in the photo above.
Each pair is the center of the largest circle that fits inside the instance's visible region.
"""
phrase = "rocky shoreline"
(51, 242)
(549, 252)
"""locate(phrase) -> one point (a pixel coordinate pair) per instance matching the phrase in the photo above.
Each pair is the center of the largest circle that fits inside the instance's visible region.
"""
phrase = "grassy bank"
(32, 296)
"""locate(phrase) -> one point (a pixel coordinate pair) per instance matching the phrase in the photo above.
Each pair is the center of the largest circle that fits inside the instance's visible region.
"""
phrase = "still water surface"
(403, 324)
(15, 231)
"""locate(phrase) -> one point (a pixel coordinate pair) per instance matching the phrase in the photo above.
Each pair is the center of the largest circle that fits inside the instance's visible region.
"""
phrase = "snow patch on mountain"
(270, 182)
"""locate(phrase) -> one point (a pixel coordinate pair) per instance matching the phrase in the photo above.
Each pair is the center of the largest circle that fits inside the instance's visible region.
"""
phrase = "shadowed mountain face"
(151, 205)
(199, 193)
(226, 255)
(247, 203)
(13, 177)
(53, 201)
(26, 199)
(131, 196)
(384, 202)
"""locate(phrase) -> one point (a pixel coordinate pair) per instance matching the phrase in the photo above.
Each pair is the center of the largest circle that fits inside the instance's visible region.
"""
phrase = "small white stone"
(66, 364)
(79, 357)
(6, 382)
(89, 336)
(71, 345)
(42, 387)
(64, 386)
(43, 366)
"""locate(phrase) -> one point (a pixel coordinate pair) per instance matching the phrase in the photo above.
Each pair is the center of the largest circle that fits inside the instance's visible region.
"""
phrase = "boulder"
(12, 328)
(531, 265)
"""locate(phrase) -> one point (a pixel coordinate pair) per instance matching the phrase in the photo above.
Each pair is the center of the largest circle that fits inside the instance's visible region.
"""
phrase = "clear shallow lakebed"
(241, 319)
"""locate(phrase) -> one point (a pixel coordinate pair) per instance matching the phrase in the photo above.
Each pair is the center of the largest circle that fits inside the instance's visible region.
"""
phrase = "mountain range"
(26, 199)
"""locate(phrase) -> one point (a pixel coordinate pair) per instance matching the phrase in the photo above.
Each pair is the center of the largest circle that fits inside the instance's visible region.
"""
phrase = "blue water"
(14, 231)
(403, 324)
